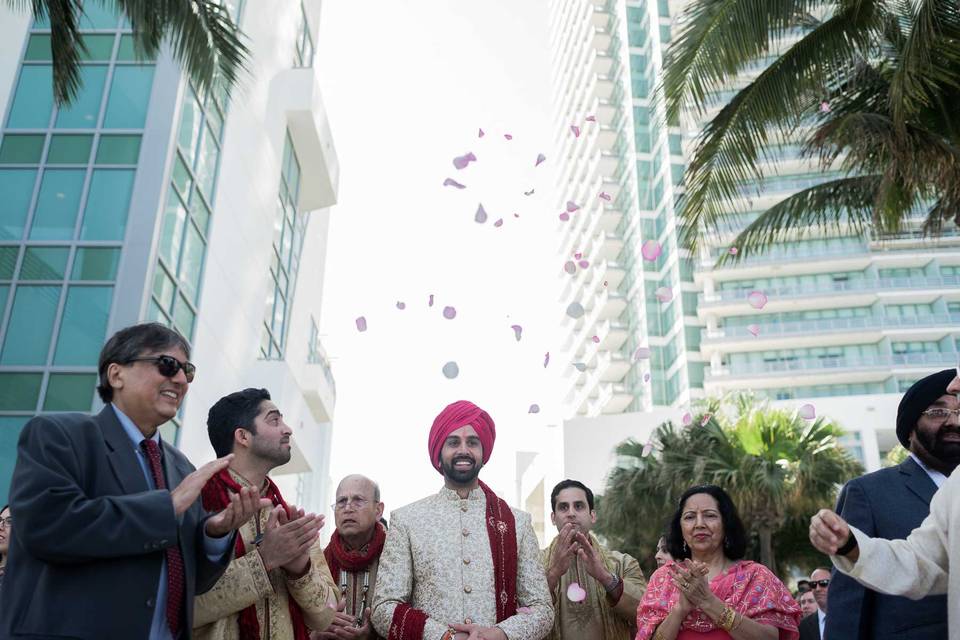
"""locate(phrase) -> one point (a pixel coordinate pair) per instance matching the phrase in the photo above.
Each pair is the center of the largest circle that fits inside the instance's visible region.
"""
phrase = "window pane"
(10, 427)
(19, 392)
(4, 293)
(118, 150)
(31, 325)
(183, 317)
(21, 149)
(85, 109)
(57, 204)
(129, 97)
(163, 288)
(84, 325)
(201, 214)
(44, 263)
(192, 263)
(99, 48)
(8, 262)
(206, 167)
(191, 119)
(105, 216)
(171, 234)
(16, 185)
(69, 149)
(38, 48)
(70, 392)
(95, 263)
(128, 51)
(33, 100)
(98, 14)
(181, 177)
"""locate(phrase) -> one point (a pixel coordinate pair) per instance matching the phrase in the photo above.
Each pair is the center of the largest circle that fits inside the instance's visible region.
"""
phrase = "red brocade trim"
(408, 623)
(502, 531)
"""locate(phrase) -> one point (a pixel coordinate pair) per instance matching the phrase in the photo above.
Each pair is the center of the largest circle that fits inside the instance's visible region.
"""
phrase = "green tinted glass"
(128, 51)
(67, 149)
(44, 263)
(99, 48)
(33, 100)
(95, 263)
(30, 326)
(70, 392)
(21, 149)
(38, 48)
(8, 261)
(19, 391)
(118, 149)
(16, 185)
(84, 325)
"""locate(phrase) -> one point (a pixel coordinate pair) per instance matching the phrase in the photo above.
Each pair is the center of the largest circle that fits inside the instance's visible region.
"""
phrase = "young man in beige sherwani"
(595, 591)
(461, 563)
(278, 586)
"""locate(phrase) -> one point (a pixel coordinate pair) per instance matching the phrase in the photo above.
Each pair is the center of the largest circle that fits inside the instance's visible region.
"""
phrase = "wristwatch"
(848, 546)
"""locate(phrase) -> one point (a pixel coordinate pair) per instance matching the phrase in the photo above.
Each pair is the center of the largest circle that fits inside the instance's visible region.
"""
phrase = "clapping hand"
(690, 578)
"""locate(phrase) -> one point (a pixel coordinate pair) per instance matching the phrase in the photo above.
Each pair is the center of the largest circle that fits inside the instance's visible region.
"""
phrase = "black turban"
(917, 399)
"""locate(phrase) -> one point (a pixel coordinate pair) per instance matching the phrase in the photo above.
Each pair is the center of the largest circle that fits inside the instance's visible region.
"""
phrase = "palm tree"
(869, 89)
(201, 33)
(778, 467)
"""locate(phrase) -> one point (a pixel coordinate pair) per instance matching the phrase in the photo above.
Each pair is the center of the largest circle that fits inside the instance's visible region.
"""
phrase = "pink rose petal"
(401, 305)
(646, 377)
(450, 182)
(451, 370)
(664, 294)
(540, 159)
(430, 301)
(508, 136)
(361, 324)
(733, 251)
(570, 267)
(517, 331)
(591, 118)
(516, 215)
(753, 329)
(546, 359)
(575, 593)
(642, 353)
(686, 419)
(529, 193)
(603, 195)
(824, 107)
(576, 130)
(583, 264)
(596, 339)
(757, 299)
(651, 250)
(572, 206)
(481, 215)
(480, 133)
(534, 408)
(580, 366)
(498, 223)
(564, 216)
(807, 412)
(462, 161)
(647, 448)
(577, 255)
(449, 313)
(705, 419)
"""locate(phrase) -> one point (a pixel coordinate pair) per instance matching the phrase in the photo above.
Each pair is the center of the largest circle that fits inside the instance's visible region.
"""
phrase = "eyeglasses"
(940, 413)
(6, 522)
(168, 366)
(809, 585)
(355, 503)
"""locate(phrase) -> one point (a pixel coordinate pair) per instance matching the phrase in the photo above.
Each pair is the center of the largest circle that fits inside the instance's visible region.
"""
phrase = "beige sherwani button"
(467, 589)
(467, 621)
(463, 508)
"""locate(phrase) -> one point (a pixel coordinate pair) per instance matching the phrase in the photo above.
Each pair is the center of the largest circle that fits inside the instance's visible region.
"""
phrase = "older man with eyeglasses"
(892, 503)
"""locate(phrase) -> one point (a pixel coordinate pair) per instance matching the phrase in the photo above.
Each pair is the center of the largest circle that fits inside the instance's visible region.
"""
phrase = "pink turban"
(460, 414)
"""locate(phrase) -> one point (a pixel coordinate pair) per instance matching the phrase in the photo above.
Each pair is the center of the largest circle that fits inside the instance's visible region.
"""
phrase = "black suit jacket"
(810, 627)
(86, 555)
(888, 503)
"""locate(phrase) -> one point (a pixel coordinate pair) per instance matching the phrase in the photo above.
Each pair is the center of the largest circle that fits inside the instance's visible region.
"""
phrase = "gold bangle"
(737, 621)
(726, 619)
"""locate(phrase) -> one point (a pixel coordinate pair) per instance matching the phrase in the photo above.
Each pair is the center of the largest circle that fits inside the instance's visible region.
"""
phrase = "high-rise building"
(850, 320)
(147, 199)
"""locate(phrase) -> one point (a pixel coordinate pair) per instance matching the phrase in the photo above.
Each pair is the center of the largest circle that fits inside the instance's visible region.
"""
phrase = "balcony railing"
(833, 364)
(823, 325)
(317, 357)
(874, 284)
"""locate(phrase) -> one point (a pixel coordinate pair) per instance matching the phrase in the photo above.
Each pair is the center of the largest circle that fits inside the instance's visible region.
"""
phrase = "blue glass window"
(57, 204)
(16, 185)
(129, 97)
(95, 263)
(44, 263)
(99, 15)
(84, 325)
(31, 325)
(191, 263)
(105, 216)
(33, 100)
(70, 392)
(84, 111)
(171, 234)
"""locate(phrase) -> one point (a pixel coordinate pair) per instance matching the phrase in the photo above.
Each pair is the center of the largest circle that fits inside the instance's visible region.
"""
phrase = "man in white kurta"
(438, 576)
(916, 567)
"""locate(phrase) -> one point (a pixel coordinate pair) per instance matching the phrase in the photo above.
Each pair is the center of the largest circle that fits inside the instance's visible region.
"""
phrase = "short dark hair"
(238, 409)
(133, 342)
(569, 484)
(734, 533)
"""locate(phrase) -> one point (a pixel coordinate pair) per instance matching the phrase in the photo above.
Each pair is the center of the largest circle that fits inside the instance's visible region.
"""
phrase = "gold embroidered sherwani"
(246, 582)
(596, 618)
(437, 558)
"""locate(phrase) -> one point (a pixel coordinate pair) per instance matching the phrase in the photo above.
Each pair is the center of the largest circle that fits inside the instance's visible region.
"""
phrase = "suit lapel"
(120, 453)
(917, 480)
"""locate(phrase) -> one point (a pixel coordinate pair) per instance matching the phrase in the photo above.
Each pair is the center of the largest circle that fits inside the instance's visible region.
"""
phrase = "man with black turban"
(891, 503)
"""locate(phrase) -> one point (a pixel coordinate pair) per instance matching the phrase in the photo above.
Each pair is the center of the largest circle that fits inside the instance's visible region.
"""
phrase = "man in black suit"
(812, 626)
(103, 549)
(890, 503)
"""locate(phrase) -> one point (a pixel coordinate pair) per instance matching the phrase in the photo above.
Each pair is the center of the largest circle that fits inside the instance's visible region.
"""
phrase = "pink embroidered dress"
(750, 588)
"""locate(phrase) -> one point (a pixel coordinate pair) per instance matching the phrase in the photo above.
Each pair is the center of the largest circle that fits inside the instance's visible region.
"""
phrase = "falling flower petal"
(572, 206)
(529, 193)
(540, 159)
(646, 377)
(534, 408)
(546, 359)
(757, 299)
(596, 339)
(450, 182)
(642, 353)
(754, 329)
(733, 251)
(580, 366)
(481, 215)
(449, 313)
(430, 301)
(577, 255)
(575, 310)
(516, 215)
(508, 136)
(564, 216)
(647, 448)
(401, 305)
(575, 593)
(807, 412)
(603, 195)
(498, 223)
(664, 294)
(824, 107)
(361, 324)
(686, 419)
(517, 331)
(604, 283)
(583, 264)
(576, 130)
(570, 267)
(591, 118)
(462, 161)
(451, 370)
(705, 419)
(651, 250)
(480, 133)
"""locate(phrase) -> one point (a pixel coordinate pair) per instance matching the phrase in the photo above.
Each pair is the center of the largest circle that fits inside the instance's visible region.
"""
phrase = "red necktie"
(175, 581)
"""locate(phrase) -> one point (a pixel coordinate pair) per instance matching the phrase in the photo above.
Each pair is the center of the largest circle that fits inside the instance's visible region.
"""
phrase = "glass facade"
(303, 54)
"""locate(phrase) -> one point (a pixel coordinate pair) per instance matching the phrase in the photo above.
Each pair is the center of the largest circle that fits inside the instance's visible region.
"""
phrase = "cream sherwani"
(920, 565)
(437, 558)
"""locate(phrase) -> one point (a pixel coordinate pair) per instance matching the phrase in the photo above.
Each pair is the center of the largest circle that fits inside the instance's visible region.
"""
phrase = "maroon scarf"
(408, 623)
(339, 558)
(216, 497)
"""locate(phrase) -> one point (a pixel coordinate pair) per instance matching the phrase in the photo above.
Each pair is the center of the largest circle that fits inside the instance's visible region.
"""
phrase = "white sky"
(407, 84)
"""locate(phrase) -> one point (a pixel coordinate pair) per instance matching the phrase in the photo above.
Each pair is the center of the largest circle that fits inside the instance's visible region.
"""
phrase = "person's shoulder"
(521, 517)
(878, 477)
(415, 508)
(71, 425)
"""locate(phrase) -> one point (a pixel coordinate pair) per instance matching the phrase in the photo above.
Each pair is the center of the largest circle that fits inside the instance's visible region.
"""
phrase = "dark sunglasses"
(168, 366)
(807, 585)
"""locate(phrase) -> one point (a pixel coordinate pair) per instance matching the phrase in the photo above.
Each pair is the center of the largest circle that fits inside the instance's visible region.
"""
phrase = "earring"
(685, 550)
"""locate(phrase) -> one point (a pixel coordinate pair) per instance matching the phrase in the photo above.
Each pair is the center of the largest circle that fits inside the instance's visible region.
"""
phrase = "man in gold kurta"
(595, 591)
(278, 586)
(461, 562)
